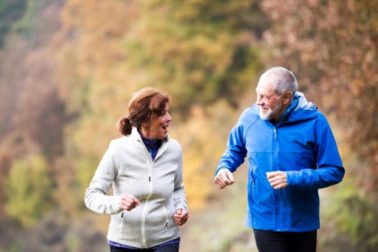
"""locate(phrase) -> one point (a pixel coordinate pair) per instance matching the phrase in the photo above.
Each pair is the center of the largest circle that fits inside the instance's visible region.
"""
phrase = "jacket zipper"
(144, 211)
(274, 163)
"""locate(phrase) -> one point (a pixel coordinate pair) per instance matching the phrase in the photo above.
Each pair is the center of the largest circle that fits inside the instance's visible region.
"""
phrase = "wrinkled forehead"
(265, 86)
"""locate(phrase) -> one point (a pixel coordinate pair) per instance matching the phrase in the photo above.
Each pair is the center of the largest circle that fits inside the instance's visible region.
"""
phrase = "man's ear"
(287, 97)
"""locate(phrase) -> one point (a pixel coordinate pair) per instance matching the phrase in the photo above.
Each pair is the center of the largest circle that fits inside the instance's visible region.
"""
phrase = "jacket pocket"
(166, 219)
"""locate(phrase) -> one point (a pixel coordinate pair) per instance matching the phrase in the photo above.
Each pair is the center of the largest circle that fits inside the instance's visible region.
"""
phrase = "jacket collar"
(138, 138)
(289, 110)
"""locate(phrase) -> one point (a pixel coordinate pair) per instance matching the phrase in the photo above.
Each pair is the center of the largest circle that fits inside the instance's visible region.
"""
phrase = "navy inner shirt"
(152, 145)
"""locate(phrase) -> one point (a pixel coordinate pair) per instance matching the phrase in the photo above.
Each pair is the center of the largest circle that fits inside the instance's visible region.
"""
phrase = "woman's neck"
(145, 133)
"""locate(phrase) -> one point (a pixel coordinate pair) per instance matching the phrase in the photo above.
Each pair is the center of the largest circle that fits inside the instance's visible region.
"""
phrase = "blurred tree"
(203, 141)
(37, 24)
(197, 47)
(28, 190)
(332, 46)
(32, 112)
(72, 179)
(28, 92)
(354, 214)
(10, 12)
(187, 47)
(66, 185)
(94, 81)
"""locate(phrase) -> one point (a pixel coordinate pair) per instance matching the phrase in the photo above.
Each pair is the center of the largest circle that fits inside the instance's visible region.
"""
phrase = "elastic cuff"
(289, 178)
(116, 204)
(219, 169)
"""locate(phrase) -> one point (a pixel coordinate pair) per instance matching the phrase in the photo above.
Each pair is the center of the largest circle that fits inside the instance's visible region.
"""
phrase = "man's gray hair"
(281, 78)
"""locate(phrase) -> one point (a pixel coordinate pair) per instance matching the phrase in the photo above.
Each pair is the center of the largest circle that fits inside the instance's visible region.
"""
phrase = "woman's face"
(158, 127)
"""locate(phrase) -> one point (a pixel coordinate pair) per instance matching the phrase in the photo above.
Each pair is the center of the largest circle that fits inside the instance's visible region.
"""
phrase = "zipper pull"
(122, 215)
(149, 178)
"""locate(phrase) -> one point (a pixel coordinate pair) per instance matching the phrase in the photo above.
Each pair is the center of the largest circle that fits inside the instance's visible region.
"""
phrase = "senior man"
(291, 153)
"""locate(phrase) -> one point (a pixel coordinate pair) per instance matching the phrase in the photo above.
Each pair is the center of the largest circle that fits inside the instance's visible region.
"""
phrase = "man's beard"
(270, 113)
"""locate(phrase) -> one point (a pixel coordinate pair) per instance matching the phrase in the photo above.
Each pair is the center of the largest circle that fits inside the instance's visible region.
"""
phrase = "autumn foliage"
(69, 67)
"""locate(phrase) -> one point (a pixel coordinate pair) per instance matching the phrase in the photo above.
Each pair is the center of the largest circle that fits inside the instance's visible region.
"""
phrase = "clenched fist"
(224, 178)
(128, 202)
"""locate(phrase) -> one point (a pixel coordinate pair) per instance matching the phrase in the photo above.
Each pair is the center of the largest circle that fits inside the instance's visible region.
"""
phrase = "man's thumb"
(230, 176)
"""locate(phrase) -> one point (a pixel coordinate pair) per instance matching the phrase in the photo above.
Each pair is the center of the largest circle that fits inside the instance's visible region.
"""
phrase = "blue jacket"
(302, 145)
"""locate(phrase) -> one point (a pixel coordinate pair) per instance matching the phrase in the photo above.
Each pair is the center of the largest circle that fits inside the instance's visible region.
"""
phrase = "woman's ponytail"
(125, 126)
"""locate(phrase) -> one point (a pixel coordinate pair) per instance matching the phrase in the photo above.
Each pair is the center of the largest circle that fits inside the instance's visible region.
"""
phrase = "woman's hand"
(128, 202)
(180, 216)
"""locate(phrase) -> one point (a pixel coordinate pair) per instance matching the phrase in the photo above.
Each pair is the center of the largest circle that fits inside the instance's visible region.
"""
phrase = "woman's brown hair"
(143, 104)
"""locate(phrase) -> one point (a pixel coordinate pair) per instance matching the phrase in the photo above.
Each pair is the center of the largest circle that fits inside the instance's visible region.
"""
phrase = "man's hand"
(128, 202)
(277, 179)
(180, 216)
(224, 178)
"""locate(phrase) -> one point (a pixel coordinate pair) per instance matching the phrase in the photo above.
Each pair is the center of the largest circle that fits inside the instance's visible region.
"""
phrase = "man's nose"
(259, 101)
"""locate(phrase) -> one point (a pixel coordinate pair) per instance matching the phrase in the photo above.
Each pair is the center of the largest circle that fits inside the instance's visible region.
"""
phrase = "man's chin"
(264, 117)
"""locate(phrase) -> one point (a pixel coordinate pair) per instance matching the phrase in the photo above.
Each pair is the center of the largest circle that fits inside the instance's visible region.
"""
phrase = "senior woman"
(144, 168)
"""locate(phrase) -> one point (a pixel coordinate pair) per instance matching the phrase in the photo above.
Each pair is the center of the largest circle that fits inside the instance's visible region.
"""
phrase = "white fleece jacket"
(158, 184)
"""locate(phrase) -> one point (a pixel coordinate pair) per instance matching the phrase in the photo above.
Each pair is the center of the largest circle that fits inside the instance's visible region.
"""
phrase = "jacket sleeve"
(179, 190)
(329, 170)
(96, 198)
(235, 151)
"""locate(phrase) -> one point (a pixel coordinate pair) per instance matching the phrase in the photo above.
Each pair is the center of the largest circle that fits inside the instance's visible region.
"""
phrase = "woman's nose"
(168, 117)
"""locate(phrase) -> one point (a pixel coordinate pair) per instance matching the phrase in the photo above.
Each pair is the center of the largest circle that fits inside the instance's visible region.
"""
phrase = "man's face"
(270, 104)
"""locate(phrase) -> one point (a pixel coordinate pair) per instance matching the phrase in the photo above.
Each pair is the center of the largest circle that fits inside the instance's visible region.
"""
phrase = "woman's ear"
(145, 126)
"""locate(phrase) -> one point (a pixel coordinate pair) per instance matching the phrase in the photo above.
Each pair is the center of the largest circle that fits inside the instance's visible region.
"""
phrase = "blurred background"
(69, 67)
